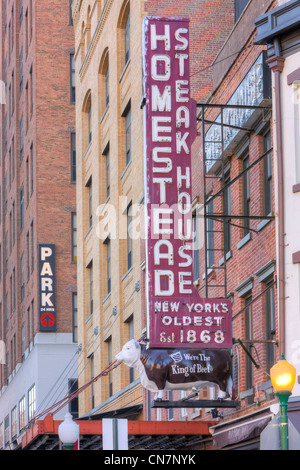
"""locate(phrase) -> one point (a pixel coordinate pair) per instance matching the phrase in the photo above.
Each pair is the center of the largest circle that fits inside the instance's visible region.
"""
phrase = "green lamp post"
(283, 376)
(68, 432)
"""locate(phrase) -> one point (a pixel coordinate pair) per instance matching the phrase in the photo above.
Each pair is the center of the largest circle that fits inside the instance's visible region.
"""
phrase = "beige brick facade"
(100, 42)
(106, 26)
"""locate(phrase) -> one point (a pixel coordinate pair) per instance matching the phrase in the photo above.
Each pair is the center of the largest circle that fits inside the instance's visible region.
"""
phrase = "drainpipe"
(276, 64)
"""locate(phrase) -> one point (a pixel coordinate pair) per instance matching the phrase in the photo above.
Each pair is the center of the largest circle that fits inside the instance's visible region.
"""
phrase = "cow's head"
(130, 353)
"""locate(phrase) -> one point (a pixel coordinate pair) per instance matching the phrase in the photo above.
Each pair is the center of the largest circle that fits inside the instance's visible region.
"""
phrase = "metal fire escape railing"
(222, 217)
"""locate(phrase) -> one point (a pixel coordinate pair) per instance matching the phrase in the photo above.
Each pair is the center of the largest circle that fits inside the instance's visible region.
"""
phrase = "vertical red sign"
(177, 316)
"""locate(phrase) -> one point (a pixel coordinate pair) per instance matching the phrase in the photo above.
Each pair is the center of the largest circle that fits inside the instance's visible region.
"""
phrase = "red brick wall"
(53, 198)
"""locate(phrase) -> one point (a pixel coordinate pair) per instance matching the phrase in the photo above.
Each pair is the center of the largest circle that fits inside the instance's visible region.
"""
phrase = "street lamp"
(68, 432)
(283, 376)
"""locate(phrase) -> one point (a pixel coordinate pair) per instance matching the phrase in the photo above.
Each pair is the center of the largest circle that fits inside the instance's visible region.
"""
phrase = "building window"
(32, 168)
(227, 212)
(31, 402)
(267, 175)
(7, 316)
(22, 413)
(107, 85)
(90, 269)
(14, 288)
(6, 431)
(246, 195)
(21, 70)
(109, 355)
(87, 121)
(70, 13)
(27, 106)
(106, 153)
(89, 112)
(74, 317)
(270, 326)
(22, 207)
(31, 92)
(22, 276)
(27, 182)
(32, 247)
(20, 11)
(23, 342)
(26, 33)
(21, 138)
(73, 405)
(248, 337)
(127, 39)
(74, 236)
(239, 7)
(128, 136)
(107, 243)
(72, 78)
(73, 157)
(6, 251)
(129, 236)
(90, 202)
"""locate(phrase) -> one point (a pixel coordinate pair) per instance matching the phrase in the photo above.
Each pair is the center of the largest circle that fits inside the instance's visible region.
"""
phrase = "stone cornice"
(95, 38)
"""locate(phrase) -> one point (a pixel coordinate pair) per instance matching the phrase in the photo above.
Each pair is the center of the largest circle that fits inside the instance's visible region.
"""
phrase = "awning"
(240, 430)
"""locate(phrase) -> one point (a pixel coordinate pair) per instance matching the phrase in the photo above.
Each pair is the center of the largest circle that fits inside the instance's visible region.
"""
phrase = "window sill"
(88, 232)
(127, 166)
(106, 298)
(228, 256)
(124, 70)
(88, 319)
(244, 241)
(88, 148)
(262, 224)
(104, 114)
(127, 273)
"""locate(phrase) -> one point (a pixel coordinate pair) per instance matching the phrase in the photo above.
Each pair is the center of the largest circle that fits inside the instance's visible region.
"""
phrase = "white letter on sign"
(154, 72)
(159, 37)
(161, 102)
(45, 253)
(170, 290)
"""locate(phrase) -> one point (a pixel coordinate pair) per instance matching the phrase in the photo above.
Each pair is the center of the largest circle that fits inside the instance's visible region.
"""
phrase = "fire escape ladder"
(215, 154)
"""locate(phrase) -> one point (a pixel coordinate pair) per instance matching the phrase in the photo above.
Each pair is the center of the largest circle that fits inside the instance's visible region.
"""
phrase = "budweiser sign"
(177, 316)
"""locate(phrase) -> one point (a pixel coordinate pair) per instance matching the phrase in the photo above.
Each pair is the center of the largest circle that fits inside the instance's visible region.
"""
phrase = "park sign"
(47, 304)
(176, 315)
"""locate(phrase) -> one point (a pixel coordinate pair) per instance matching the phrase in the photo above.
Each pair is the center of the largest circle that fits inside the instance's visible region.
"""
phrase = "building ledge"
(281, 20)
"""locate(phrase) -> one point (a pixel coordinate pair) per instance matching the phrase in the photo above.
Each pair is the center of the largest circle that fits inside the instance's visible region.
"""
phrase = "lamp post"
(283, 376)
(68, 432)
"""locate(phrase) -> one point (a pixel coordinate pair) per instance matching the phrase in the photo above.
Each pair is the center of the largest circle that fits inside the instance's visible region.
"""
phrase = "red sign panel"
(177, 316)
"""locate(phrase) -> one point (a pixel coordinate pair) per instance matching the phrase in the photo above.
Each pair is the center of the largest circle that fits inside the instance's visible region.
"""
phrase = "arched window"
(124, 36)
(82, 41)
(127, 39)
(87, 121)
(104, 82)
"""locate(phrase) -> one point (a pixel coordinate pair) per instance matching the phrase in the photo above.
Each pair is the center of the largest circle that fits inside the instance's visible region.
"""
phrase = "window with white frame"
(31, 402)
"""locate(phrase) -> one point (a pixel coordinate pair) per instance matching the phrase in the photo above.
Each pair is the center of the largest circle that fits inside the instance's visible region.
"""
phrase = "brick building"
(38, 206)
(238, 258)
(110, 186)
(283, 57)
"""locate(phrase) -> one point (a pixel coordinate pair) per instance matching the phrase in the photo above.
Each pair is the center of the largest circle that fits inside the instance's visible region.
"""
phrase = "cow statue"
(178, 369)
